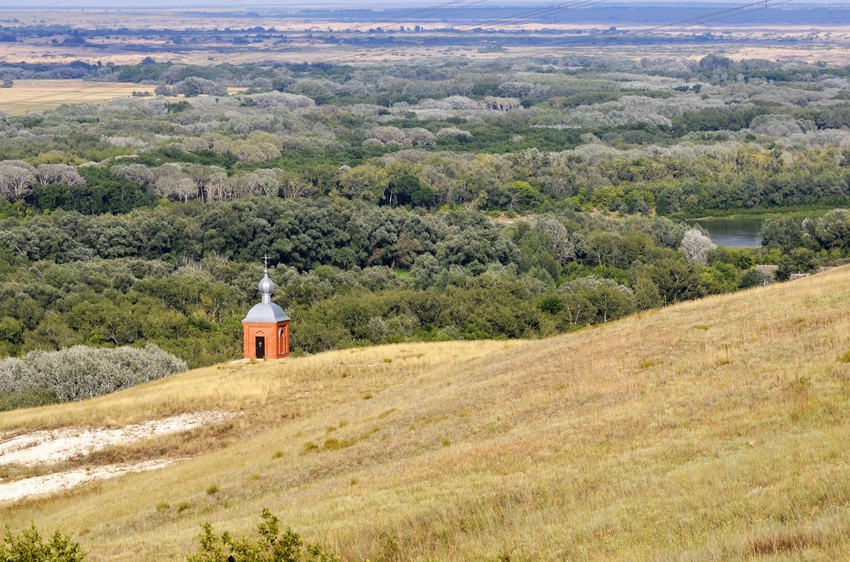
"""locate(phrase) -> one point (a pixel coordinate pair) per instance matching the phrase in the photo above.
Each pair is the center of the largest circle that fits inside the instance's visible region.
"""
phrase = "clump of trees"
(806, 245)
(81, 372)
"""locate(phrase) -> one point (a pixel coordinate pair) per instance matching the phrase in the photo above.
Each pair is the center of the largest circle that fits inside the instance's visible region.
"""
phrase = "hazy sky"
(242, 4)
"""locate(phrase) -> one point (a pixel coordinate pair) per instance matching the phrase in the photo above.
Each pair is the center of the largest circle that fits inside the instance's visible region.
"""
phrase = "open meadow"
(709, 430)
(40, 95)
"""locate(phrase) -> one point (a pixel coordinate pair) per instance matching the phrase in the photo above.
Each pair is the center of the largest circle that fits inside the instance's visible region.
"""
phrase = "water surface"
(733, 232)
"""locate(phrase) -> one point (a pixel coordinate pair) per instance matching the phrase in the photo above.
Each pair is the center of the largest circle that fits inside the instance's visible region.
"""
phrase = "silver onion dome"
(266, 286)
(266, 310)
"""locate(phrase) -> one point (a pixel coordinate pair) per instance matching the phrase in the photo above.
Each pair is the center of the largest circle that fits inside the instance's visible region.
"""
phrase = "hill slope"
(711, 430)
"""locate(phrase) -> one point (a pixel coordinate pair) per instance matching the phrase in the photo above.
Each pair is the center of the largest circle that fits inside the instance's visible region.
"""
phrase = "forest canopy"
(496, 199)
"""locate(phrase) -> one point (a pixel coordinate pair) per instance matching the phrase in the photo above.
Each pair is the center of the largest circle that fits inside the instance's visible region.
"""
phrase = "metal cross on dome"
(266, 260)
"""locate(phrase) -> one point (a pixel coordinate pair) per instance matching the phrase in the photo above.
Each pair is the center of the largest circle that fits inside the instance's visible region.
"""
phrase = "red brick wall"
(277, 347)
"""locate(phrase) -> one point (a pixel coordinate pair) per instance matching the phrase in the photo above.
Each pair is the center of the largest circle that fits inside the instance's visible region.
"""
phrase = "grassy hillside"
(712, 430)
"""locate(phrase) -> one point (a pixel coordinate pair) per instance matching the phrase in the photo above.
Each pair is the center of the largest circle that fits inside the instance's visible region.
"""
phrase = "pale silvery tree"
(696, 246)
(16, 179)
(82, 372)
(567, 245)
(47, 174)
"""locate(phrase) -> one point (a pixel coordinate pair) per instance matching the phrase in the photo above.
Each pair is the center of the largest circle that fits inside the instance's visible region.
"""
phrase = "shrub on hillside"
(271, 546)
(81, 372)
(30, 546)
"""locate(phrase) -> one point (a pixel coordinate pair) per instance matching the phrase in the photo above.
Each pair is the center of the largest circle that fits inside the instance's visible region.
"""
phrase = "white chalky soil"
(44, 448)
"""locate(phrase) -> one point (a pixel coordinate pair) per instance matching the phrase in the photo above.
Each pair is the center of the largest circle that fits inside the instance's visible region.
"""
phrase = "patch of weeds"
(212, 489)
(254, 477)
(786, 541)
(800, 385)
(844, 358)
(446, 442)
(182, 506)
(332, 444)
(342, 424)
(277, 454)
(367, 396)
(649, 363)
(354, 481)
(701, 327)
(390, 547)
(330, 428)
(387, 360)
(163, 506)
(386, 413)
(309, 447)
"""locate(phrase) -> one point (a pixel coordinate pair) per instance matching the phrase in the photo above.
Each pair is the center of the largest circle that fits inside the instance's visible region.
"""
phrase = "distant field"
(38, 95)
(335, 37)
(41, 95)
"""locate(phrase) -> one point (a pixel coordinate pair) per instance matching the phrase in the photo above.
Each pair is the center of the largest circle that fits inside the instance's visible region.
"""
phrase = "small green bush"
(332, 444)
(30, 547)
(271, 546)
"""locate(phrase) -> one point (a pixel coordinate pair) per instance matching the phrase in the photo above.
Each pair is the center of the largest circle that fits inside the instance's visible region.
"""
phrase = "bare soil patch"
(51, 447)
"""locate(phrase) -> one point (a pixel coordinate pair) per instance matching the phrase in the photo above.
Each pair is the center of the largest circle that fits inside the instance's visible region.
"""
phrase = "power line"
(753, 6)
(563, 7)
(714, 16)
(547, 11)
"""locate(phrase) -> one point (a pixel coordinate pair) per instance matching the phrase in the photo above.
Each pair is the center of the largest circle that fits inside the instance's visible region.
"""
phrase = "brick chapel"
(266, 328)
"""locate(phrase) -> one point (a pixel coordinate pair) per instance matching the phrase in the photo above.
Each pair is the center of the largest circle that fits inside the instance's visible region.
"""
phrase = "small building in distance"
(266, 328)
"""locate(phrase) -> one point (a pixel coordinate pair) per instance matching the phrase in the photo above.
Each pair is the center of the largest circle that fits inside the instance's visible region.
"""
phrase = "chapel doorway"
(261, 347)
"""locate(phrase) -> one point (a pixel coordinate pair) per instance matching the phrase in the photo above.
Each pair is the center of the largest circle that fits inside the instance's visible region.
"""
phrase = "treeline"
(690, 181)
(348, 274)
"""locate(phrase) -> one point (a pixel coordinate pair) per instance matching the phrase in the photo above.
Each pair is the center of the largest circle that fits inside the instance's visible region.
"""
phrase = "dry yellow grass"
(41, 95)
(712, 430)
(38, 95)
